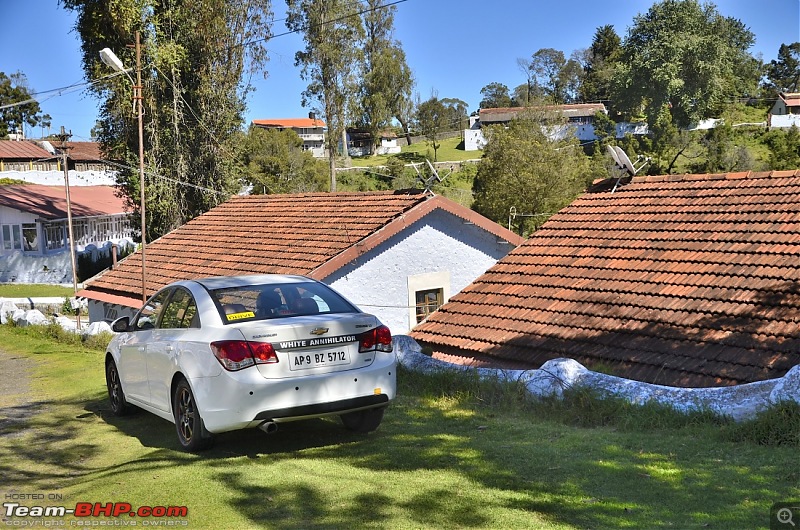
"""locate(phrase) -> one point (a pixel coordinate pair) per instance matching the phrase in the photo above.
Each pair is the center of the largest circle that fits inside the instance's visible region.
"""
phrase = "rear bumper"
(239, 400)
(323, 409)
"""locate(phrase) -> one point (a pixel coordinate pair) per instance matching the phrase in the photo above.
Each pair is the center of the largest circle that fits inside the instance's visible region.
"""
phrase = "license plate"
(304, 361)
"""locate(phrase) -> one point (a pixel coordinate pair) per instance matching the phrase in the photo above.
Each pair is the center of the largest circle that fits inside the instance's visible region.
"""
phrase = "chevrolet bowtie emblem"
(319, 331)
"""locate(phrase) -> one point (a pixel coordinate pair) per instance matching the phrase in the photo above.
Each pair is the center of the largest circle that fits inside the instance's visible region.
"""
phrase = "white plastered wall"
(439, 251)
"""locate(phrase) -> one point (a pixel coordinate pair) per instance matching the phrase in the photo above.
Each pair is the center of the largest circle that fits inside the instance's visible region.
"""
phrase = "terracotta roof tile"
(679, 279)
(50, 202)
(290, 122)
(25, 150)
(311, 234)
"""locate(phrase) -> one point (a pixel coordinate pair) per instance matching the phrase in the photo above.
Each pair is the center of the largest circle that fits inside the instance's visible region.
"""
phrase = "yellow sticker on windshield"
(239, 316)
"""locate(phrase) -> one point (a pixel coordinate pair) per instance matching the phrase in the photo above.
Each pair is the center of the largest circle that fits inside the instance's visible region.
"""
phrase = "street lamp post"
(109, 58)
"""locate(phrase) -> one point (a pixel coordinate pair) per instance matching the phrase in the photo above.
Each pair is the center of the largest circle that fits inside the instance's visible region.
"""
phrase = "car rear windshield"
(267, 301)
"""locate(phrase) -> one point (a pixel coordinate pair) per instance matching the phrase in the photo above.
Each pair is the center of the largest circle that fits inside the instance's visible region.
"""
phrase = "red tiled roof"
(290, 122)
(503, 114)
(311, 234)
(84, 151)
(792, 99)
(25, 150)
(683, 280)
(50, 202)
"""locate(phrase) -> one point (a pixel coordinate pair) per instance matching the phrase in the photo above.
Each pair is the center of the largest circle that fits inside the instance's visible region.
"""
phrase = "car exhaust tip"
(268, 427)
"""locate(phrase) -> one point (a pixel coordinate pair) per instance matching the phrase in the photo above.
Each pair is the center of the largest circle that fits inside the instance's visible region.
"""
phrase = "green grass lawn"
(451, 150)
(448, 455)
(25, 290)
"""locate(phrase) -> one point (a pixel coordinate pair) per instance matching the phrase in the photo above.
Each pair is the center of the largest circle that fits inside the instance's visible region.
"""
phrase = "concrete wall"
(439, 251)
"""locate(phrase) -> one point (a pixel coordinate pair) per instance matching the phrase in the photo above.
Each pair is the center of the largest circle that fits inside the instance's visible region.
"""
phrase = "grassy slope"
(449, 151)
(24, 290)
(445, 457)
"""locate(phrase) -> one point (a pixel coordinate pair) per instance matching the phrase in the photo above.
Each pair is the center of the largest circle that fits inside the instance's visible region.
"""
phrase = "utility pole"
(137, 95)
(64, 137)
(109, 58)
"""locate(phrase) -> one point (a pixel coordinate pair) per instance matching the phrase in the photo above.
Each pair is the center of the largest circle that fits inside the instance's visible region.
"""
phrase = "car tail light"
(236, 355)
(377, 339)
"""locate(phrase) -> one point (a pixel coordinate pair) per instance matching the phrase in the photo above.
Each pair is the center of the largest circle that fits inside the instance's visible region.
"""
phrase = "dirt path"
(15, 377)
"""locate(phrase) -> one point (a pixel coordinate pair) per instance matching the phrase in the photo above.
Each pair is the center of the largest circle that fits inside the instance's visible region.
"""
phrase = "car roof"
(224, 282)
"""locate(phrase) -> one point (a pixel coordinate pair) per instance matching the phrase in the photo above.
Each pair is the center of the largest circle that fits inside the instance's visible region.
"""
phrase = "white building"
(34, 231)
(786, 111)
(397, 254)
(310, 130)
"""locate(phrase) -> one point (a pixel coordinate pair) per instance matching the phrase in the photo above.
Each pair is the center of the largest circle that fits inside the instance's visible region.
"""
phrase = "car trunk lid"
(313, 344)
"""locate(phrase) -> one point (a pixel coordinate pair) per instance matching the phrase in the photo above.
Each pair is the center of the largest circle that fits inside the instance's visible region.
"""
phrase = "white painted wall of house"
(784, 122)
(378, 281)
(56, 178)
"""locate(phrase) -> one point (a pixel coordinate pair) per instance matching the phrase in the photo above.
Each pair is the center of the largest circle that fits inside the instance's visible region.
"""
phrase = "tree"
(275, 162)
(603, 54)
(20, 107)
(495, 95)
(456, 115)
(331, 31)
(522, 168)
(524, 92)
(387, 79)
(546, 65)
(784, 148)
(783, 73)
(433, 118)
(193, 96)
(685, 56)
(570, 78)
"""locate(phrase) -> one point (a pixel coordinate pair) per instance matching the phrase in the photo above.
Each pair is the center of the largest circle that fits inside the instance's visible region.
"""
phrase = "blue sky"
(454, 47)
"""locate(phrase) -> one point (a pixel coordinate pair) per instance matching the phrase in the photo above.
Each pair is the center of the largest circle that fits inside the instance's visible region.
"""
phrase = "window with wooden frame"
(428, 301)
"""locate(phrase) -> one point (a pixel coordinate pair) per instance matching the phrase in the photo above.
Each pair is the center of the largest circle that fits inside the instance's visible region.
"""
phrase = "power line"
(58, 91)
(339, 19)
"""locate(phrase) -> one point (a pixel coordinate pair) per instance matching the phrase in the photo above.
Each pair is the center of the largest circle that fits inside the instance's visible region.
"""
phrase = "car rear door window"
(180, 311)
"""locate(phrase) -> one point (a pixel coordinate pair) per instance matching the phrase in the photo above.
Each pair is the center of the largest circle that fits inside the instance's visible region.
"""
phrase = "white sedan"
(225, 353)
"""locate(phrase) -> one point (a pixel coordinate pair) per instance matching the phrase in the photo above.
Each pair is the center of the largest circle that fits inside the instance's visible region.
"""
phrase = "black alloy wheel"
(116, 396)
(191, 434)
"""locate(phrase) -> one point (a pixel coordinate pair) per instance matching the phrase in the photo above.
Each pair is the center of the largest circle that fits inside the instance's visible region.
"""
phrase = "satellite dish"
(624, 161)
(613, 154)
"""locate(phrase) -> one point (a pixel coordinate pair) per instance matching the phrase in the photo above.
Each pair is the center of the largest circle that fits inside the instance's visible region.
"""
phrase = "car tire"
(363, 420)
(119, 406)
(192, 434)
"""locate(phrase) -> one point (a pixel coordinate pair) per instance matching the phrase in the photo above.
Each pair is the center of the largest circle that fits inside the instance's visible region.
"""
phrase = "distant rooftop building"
(311, 130)
(786, 110)
(582, 113)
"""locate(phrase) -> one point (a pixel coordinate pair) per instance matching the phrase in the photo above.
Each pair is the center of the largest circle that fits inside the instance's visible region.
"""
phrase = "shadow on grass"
(459, 464)
(410, 158)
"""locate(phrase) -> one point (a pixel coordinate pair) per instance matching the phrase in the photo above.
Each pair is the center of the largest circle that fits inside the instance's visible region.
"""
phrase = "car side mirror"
(121, 324)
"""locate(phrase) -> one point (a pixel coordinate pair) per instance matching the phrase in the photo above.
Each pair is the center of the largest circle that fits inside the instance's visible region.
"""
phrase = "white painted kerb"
(738, 402)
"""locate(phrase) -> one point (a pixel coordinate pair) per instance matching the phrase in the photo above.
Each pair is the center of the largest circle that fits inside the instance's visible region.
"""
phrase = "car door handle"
(140, 348)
